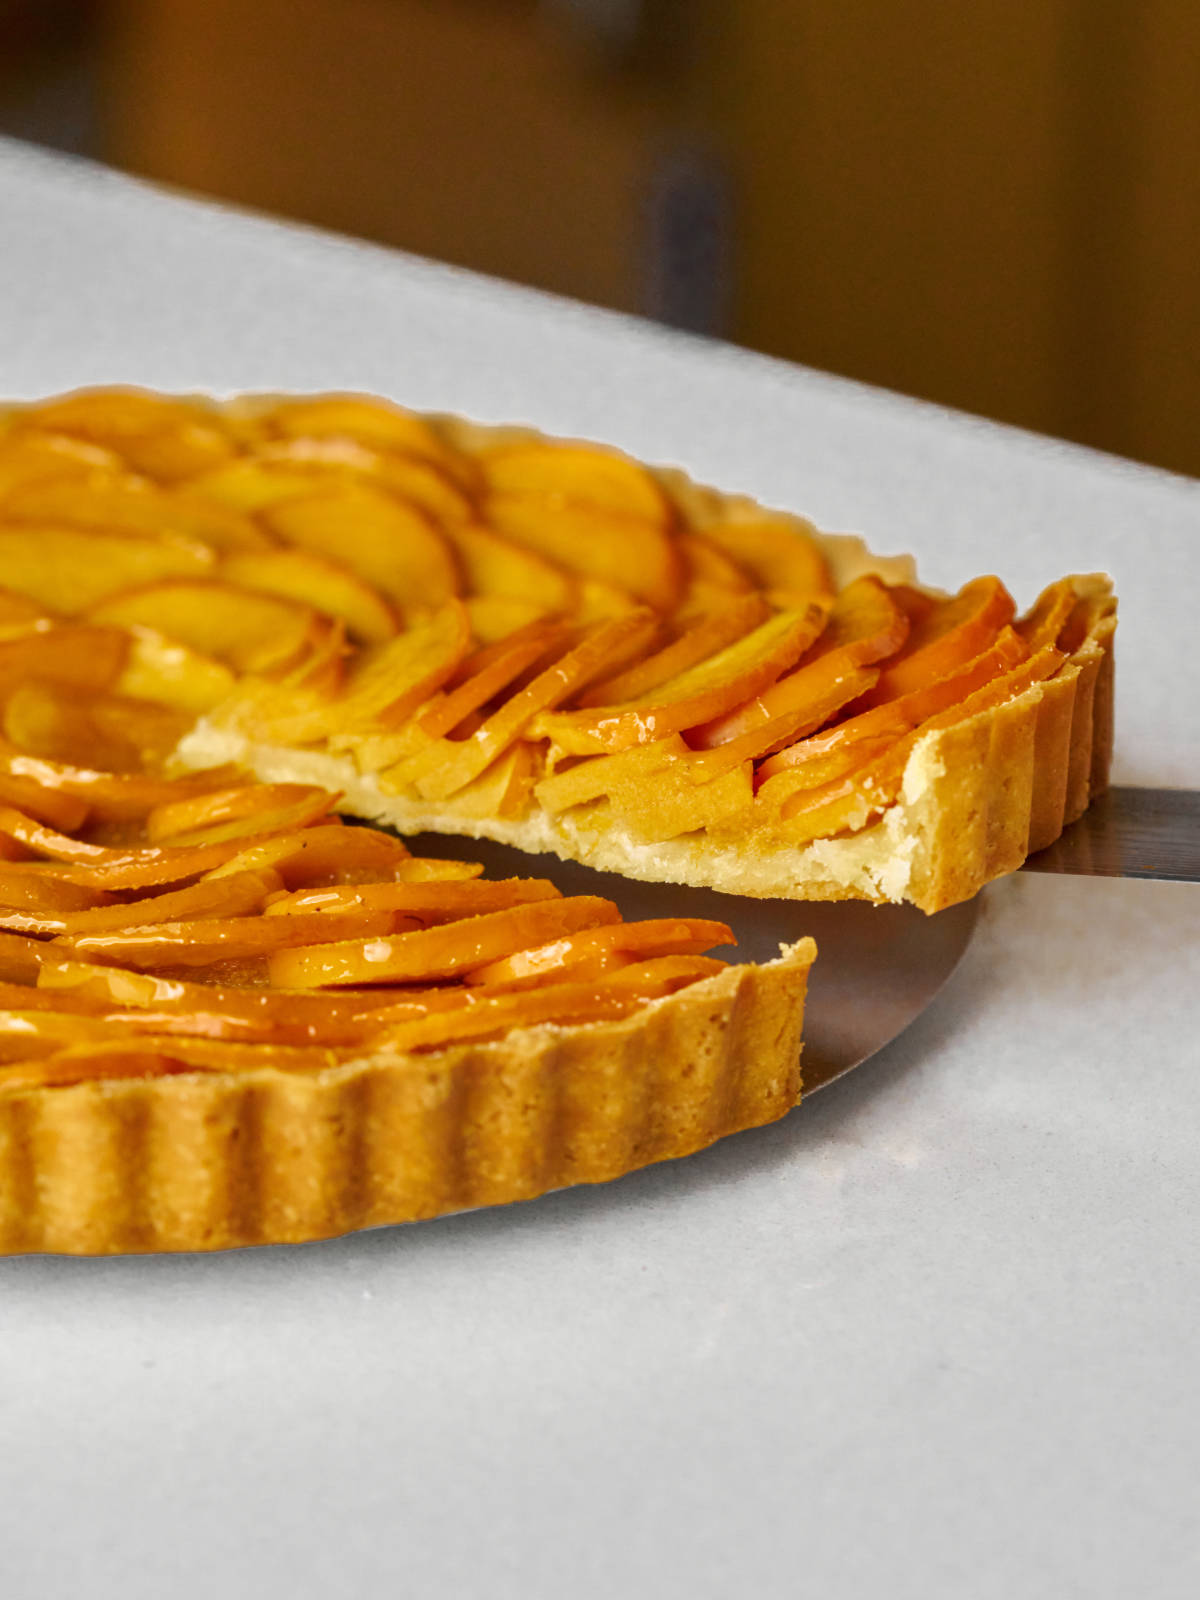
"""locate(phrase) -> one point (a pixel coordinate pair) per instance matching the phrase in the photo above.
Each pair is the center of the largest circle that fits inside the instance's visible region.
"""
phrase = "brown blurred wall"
(996, 205)
(455, 128)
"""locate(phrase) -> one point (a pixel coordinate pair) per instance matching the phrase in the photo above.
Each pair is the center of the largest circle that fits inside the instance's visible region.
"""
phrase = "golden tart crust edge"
(207, 1161)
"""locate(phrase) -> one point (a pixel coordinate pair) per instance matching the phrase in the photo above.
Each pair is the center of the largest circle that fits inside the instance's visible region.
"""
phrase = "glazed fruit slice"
(70, 569)
(251, 631)
(391, 544)
(694, 697)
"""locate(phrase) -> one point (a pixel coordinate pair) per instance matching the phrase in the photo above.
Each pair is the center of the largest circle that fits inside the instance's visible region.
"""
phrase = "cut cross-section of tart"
(483, 631)
(227, 1018)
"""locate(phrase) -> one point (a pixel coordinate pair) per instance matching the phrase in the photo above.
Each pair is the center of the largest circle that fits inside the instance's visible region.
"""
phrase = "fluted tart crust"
(210, 1160)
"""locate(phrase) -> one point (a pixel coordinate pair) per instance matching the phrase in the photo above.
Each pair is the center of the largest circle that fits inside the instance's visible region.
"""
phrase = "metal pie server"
(1131, 833)
(879, 966)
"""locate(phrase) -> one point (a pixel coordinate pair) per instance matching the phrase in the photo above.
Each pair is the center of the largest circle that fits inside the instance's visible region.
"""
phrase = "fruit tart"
(231, 1017)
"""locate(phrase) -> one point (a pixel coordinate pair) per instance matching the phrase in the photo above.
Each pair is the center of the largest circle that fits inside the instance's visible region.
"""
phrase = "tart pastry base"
(210, 1161)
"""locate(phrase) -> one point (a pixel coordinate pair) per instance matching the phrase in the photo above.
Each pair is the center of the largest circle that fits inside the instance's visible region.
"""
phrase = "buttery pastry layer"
(208, 1161)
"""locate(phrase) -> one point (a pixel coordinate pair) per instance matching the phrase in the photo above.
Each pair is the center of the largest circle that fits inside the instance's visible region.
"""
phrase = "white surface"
(930, 1336)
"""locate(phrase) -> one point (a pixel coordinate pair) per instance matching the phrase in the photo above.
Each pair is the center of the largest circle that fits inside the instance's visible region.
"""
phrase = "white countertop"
(932, 1335)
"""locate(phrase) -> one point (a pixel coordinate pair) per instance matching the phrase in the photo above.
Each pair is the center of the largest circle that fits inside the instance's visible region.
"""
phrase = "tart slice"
(226, 1018)
(487, 632)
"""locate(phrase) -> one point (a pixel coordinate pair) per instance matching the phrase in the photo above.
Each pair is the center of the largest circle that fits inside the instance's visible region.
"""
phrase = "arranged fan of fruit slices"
(483, 631)
(245, 914)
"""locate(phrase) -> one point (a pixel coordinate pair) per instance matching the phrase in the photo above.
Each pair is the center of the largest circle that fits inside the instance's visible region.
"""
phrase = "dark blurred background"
(995, 205)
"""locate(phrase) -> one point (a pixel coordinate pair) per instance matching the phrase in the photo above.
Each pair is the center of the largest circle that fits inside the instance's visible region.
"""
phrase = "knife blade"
(1130, 833)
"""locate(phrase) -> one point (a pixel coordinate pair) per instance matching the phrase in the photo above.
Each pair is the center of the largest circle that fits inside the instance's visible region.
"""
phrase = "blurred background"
(993, 205)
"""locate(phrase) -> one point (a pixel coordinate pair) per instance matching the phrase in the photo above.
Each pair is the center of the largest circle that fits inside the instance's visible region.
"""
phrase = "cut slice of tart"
(483, 631)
